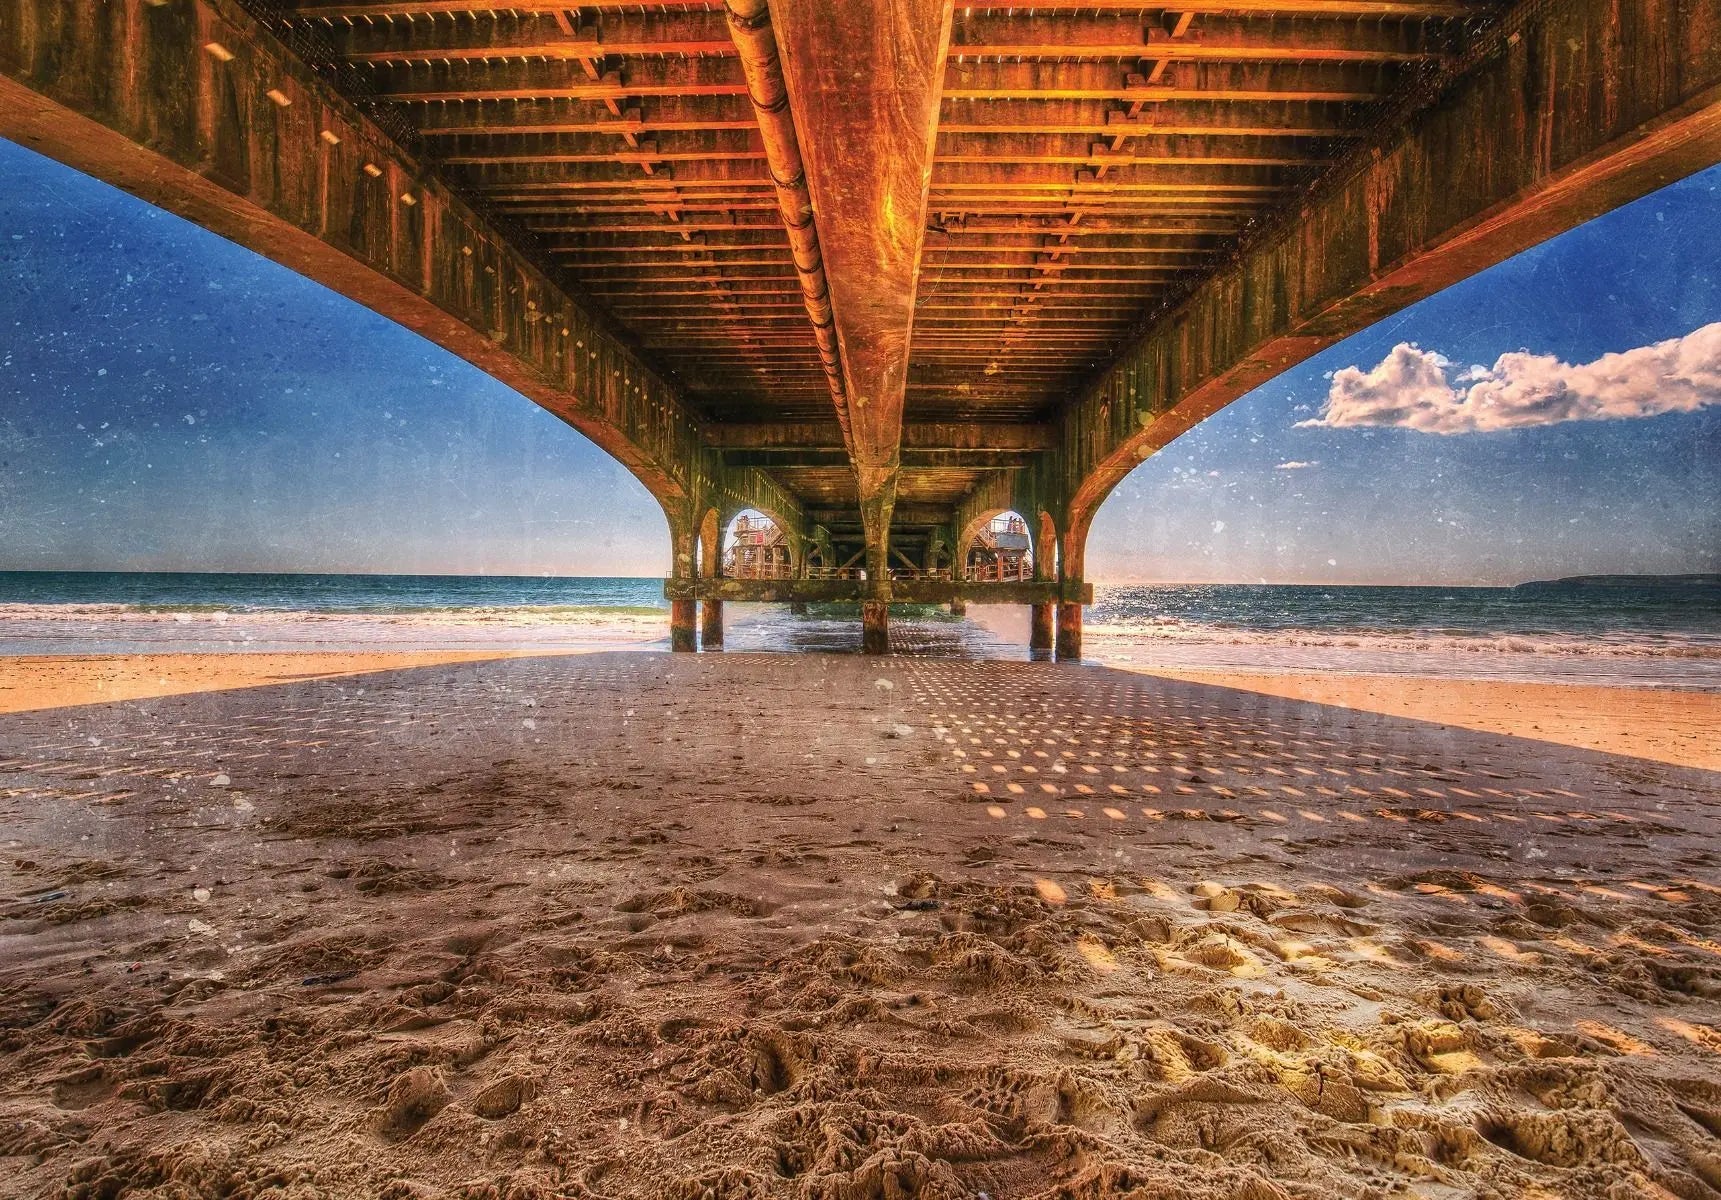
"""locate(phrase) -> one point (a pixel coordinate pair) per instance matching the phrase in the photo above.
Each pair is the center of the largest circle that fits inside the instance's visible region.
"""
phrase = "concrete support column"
(1040, 628)
(711, 625)
(1069, 631)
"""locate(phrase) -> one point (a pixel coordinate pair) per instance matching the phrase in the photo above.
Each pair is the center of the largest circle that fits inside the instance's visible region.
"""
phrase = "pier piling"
(1041, 627)
(1069, 632)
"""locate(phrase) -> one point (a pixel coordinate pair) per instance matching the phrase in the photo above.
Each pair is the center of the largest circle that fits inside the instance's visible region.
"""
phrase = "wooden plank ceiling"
(1088, 157)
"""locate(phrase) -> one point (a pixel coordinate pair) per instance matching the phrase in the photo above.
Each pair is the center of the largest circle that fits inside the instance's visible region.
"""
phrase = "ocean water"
(1636, 635)
(1668, 636)
(146, 591)
(1646, 619)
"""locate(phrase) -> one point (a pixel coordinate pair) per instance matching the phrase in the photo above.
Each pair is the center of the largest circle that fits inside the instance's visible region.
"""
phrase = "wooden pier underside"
(885, 270)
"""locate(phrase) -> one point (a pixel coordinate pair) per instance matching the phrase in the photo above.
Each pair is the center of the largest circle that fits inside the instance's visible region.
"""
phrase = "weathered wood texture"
(1588, 105)
(864, 83)
(1055, 236)
(130, 93)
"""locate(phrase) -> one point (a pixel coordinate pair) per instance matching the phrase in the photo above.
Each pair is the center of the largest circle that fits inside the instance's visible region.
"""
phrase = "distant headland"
(1624, 581)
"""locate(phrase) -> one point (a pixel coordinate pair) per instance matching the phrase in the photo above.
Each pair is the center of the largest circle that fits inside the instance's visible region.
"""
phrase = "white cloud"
(1411, 389)
(1293, 465)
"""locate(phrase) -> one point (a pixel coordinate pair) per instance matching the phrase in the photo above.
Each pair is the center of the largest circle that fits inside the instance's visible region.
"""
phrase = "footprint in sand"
(1441, 1047)
(1306, 921)
(503, 1097)
(413, 1098)
(1562, 1139)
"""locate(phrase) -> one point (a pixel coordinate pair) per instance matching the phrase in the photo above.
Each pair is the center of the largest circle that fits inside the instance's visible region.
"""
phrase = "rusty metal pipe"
(750, 28)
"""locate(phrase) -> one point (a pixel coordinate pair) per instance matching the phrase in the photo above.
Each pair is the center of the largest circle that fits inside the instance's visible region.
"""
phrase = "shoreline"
(424, 637)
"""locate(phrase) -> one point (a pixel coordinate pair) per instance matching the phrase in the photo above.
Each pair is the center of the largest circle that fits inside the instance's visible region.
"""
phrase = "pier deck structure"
(881, 271)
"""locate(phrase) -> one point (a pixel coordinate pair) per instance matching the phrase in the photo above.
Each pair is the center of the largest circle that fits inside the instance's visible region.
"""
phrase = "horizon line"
(1129, 582)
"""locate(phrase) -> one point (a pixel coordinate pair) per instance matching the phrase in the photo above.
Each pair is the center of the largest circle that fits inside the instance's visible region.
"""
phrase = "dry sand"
(1671, 726)
(641, 925)
(62, 681)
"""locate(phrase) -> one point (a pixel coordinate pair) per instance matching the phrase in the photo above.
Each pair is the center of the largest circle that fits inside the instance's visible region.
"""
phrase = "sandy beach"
(745, 925)
(1663, 724)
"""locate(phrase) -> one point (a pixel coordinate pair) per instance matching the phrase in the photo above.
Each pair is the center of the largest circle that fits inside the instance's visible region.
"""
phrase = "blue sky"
(171, 401)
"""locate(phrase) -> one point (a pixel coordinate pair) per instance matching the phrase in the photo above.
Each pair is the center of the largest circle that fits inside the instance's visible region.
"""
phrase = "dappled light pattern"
(641, 925)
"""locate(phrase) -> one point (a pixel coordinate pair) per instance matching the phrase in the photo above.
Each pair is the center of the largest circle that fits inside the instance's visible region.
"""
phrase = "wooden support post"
(710, 568)
(1040, 630)
(1072, 560)
(683, 565)
(875, 627)
(875, 609)
(711, 625)
(683, 619)
(1069, 631)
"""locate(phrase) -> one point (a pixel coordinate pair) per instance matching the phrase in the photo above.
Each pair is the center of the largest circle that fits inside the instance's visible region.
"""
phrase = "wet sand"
(744, 925)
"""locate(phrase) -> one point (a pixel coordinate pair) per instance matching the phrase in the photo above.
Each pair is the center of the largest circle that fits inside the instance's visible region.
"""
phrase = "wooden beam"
(797, 456)
(1095, 118)
(1257, 82)
(915, 435)
(466, 82)
(962, 226)
(904, 514)
(1539, 137)
(1099, 34)
(485, 39)
(975, 35)
(330, 10)
(657, 114)
(864, 85)
(351, 10)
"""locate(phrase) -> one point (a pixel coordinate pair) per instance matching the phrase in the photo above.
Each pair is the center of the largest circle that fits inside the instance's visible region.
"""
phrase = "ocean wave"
(1637, 644)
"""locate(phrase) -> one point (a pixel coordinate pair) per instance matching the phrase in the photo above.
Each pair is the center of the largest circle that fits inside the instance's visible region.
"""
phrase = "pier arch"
(757, 546)
(996, 547)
